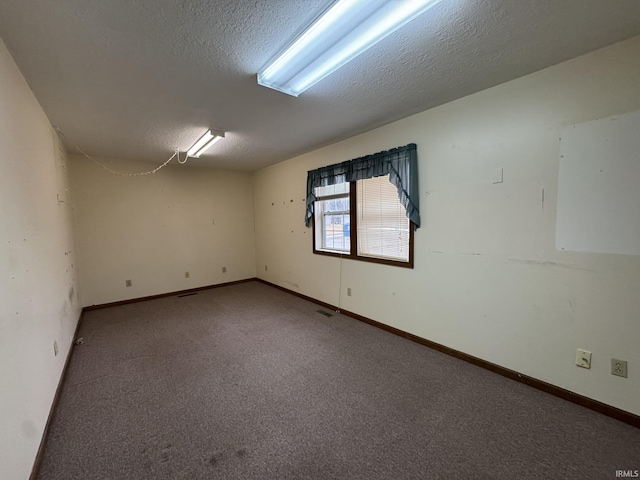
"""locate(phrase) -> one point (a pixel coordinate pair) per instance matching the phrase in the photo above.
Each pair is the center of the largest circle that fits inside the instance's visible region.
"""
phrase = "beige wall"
(488, 280)
(38, 301)
(152, 229)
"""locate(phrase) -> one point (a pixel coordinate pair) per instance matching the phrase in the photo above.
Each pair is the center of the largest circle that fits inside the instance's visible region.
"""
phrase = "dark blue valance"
(401, 164)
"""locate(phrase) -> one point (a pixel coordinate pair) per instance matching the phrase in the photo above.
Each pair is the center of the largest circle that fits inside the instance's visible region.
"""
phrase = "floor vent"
(187, 294)
(326, 314)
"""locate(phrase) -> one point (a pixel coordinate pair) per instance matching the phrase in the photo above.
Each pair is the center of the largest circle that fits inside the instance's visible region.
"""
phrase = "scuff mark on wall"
(29, 430)
(292, 283)
(459, 253)
(546, 263)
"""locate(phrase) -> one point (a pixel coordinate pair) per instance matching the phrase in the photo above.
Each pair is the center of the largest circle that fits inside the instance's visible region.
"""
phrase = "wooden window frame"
(353, 248)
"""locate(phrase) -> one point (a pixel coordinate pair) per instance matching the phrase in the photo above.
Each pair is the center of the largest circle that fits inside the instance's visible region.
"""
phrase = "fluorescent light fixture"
(341, 33)
(208, 139)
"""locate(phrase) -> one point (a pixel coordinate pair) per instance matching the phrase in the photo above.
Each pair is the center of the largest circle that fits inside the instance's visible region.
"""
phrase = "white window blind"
(383, 226)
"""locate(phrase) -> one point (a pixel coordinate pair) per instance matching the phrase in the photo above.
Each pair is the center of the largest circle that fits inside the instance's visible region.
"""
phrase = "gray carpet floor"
(249, 382)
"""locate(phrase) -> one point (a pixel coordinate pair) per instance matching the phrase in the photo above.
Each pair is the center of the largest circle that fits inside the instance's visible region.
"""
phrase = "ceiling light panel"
(344, 31)
(203, 144)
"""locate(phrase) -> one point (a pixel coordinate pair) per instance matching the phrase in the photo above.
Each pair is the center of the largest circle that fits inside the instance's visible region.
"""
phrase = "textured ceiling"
(134, 79)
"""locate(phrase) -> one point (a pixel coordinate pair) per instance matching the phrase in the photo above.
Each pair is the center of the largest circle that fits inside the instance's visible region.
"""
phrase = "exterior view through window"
(363, 220)
(334, 218)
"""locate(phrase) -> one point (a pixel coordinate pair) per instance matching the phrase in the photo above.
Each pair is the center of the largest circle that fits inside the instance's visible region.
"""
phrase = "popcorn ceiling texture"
(134, 80)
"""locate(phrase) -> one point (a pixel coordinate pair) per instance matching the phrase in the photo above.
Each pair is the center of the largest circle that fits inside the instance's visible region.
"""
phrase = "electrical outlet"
(348, 292)
(619, 367)
(583, 358)
(224, 269)
(127, 283)
(55, 349)
(187, 274)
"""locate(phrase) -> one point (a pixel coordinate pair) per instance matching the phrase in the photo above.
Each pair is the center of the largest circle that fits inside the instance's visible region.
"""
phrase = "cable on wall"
(123, 174)
(340, 287)
(60, 161)
(186, 157)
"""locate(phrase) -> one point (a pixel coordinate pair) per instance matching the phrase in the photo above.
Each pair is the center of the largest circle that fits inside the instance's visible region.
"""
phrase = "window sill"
(381, 261)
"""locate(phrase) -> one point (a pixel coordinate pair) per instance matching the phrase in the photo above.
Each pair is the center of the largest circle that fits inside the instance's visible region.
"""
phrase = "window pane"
(336, 232)
(337, 205)
(333, 220)
(383, 226)
(332, 190)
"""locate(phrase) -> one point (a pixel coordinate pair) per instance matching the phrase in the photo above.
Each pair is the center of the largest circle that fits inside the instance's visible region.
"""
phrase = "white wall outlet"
(128, 283)
(583, 358)
(348, 292)
(55, 348)
(187, 274)
(224, 269)
(619, 367)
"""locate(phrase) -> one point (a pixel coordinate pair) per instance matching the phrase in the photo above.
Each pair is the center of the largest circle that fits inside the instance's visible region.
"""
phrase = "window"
(366, 208)
(383, 226)
(333, 216)
(363, 220)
